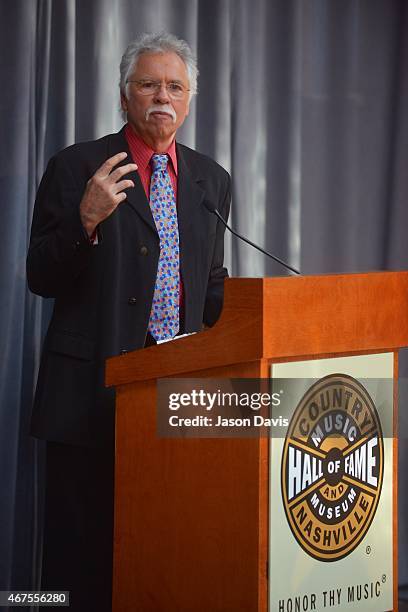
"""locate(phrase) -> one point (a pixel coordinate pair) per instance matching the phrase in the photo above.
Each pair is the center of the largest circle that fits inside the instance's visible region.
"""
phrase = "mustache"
(161, 108)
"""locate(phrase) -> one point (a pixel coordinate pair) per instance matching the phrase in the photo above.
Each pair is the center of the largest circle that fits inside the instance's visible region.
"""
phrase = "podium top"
(280, 319)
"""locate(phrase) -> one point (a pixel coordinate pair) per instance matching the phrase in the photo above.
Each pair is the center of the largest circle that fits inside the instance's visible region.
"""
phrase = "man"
(122, 240)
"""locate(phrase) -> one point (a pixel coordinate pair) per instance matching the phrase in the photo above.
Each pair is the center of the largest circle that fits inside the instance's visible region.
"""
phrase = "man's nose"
(162, 94)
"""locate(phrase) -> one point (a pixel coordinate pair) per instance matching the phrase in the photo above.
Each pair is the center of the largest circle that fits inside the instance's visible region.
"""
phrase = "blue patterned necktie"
(164, 316)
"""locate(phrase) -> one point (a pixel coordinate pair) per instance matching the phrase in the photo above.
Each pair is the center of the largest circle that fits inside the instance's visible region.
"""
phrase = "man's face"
(150, 115)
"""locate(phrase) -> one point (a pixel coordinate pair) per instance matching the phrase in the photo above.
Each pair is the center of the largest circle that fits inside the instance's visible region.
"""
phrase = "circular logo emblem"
(332, 467)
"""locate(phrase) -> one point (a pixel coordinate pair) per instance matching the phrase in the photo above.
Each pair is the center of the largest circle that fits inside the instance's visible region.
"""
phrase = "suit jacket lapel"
(136, 196)
(189, 194)
(190, 210)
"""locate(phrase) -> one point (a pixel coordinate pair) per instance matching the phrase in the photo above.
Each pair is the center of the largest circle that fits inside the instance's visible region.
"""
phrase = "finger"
(119, 172)
(110, 163)
(119, 197)
(123, 185)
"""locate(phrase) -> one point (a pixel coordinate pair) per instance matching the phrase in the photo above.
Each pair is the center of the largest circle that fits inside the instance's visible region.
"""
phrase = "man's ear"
(123, 102)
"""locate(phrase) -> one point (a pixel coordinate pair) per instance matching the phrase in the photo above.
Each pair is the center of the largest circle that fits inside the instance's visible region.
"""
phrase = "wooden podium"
(191, 515)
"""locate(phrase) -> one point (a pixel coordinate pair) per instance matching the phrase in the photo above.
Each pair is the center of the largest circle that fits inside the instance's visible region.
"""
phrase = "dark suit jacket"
(103, 293)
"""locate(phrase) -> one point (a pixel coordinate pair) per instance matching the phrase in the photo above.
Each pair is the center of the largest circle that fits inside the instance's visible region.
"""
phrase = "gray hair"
(162, 42)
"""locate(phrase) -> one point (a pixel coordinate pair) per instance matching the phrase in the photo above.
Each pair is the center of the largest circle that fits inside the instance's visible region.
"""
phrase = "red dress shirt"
(142, 153)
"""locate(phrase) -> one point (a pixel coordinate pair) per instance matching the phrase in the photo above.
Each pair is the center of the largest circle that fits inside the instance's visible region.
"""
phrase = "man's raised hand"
(104, 192)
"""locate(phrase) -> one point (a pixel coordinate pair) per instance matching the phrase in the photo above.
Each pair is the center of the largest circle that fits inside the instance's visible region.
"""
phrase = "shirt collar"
(142, 153)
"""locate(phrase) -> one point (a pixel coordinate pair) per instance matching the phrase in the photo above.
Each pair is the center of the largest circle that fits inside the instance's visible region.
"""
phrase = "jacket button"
(144, 250)
(132, 301)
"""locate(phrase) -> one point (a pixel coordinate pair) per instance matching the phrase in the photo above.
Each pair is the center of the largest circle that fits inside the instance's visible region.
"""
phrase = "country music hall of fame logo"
(332, 467)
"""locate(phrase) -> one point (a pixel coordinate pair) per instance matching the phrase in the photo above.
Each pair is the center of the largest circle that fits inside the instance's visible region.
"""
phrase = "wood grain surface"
(190, 514)
(283, 318)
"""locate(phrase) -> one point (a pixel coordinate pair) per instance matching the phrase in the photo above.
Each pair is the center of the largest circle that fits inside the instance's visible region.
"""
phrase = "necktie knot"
(159, 162)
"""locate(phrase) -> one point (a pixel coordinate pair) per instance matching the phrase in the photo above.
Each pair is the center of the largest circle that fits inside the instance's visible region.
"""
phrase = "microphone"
(210, 206)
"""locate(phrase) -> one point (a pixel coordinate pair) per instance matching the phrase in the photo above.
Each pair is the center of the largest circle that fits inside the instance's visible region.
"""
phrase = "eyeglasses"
(175, 90)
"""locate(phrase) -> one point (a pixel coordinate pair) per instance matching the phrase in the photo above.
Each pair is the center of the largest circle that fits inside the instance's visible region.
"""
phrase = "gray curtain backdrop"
(304, 101)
